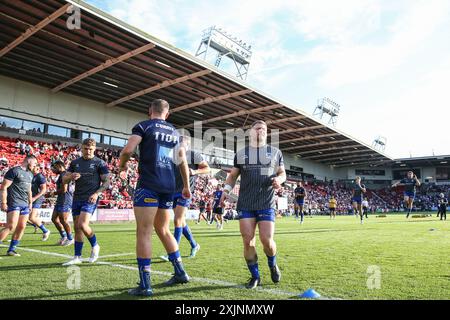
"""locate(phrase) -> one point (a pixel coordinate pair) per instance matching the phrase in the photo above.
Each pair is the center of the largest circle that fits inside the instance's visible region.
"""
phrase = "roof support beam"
(108, 63)
(317, 144)
(339, 154)
(344, 158)
(360, 163)
(269, 122)
(33, 29)
(161, 85)
(238, 114)
(310, 138)
(211, 99)
(330, 149)
(298, 130)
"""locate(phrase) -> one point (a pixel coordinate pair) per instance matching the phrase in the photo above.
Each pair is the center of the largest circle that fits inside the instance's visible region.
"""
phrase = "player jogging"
(202, 209)
(197, 165)
(365, 207)
(159, 149)
(300, 197)
(63, 205)
(358, 190)
(218, 210)
(91, 176)
(261, 168)
(16, 201)
(410, 183)
(38, 189)
(442, 208)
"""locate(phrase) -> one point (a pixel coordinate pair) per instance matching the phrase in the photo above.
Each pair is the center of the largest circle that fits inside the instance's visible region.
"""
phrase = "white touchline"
(196, 279)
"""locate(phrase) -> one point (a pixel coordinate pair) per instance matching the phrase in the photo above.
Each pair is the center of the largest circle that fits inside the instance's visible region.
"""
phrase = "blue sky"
(387, 63)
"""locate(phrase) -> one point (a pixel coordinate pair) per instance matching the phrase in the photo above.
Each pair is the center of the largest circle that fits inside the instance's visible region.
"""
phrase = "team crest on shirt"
(92, 166)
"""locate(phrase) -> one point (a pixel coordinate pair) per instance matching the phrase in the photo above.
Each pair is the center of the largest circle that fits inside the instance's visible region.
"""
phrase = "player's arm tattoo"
(106, 181)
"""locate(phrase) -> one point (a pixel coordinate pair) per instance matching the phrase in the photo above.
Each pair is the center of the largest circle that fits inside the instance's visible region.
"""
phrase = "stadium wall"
(319, 170)
(35, 103)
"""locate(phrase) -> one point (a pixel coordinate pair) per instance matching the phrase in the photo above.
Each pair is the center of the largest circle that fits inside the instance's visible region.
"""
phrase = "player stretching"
(300, 197)
(261, 168)
(159, 149)
(16, 200)
(91, 176)
(38, 189)
(197, 165)
(63, 205)
(410, 183)
(357, 197)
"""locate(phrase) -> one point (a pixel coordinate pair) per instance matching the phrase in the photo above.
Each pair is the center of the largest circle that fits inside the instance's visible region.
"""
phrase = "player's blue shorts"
(62, 208)
(23, 210)
(300, 202)
(148, 198)
(178, 200)
(409, 194)
(358, 200)
(83, 206)
(260, 215)
(37, 204)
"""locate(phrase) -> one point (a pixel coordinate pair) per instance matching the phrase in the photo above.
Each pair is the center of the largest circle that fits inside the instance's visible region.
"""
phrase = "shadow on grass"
(123, 294)
(31, 267)
(167, 293)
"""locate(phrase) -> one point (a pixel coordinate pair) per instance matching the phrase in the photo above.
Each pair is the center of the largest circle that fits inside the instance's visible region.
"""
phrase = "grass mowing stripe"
(196, 279)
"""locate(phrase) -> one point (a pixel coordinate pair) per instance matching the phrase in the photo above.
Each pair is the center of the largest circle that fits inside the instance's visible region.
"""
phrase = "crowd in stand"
(120, 193)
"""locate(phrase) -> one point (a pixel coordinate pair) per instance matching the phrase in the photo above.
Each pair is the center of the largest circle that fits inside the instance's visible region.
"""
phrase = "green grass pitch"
(409, 258)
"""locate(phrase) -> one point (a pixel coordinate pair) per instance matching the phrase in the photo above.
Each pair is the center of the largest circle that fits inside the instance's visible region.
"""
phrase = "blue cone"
(310, 294)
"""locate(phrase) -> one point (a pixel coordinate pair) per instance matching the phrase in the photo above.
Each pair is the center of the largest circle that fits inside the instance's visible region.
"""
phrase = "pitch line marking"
(196, 279)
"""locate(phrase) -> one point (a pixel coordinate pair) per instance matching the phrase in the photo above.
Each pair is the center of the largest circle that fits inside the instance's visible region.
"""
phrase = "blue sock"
(43, 228)
(177, 234)
(69, 236)
(78, 248)
(144, 272)
(93, 240)
(175, 258)
(188, 234)
(63, 234)
(301, 216)
(13, 245)
(253, 267)
(272, 261)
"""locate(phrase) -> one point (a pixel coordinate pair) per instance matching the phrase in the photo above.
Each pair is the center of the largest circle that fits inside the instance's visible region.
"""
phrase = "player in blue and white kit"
(410, 183)
(218, 209)
(159, 153)
(91, 176)
(261, 168)
(300, 196)
(63, 205)
(38, 189)
(16, 201)
(358, 191)
(197, 165)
